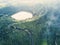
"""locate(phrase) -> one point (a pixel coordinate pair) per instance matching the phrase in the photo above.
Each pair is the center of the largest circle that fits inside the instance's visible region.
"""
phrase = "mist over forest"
(42, 31)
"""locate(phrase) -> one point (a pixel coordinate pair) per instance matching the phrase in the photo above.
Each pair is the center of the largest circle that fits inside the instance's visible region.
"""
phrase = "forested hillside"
(43, 31)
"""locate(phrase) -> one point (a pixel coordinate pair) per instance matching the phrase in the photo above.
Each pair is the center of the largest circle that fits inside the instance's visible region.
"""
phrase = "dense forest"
(42, 31)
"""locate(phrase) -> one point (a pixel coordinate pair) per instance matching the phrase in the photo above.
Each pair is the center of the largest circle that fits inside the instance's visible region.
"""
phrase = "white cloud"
(29, 2)
(3, 5)
(22, 15)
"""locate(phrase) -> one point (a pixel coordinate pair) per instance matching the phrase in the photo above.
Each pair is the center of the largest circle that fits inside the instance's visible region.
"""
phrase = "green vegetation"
(19, 33)
(43, 31)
